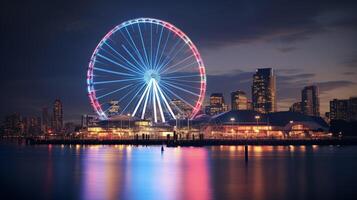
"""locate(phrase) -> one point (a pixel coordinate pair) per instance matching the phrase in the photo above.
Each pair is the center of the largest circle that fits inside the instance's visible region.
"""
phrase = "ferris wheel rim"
(201, 68)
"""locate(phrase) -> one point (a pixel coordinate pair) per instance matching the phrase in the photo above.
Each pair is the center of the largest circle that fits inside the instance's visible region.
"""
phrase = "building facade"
(310, 103)
(339, 109)
(57, 120)
(216, 105)
(264, 91)
(296, 107)
(239, 100)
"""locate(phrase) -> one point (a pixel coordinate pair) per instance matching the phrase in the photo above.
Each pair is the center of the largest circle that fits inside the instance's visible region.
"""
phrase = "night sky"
(46, 46)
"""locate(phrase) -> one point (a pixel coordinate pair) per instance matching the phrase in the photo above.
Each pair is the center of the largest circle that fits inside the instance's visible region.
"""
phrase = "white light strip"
(142, 97)
(158, 100)
(154, 104)
(146, 101)
(163, 97)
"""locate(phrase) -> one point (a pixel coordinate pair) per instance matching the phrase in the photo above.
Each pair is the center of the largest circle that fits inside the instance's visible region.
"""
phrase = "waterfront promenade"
(193, 142)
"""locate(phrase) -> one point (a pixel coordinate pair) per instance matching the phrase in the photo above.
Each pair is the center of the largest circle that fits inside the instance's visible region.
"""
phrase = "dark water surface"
(129, 172)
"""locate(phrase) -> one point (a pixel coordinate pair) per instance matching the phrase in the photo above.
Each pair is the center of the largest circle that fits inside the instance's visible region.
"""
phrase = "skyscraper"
(339, 109)
(45, 120)
(239, 100)
(57, 123)
(264, 91)
(310, 103)
(217, 104)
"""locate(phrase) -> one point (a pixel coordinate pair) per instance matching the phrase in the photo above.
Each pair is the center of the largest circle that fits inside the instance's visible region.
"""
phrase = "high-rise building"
(339, 109)
(264, 91)
(57, 120)
(352, 109)
(296, 107)
(45, 126)
(310, 103)
(239, 100)
(217, 104)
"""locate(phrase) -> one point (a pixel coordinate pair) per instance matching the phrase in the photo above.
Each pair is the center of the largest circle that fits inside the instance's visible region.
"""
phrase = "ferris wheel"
(150, 69)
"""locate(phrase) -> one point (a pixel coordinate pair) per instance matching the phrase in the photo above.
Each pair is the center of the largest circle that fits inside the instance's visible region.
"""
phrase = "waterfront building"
(217, 104)
(296, 107)
(264, 91)
(310, 103)
(239, 100)
(57, 120)
(252, 124)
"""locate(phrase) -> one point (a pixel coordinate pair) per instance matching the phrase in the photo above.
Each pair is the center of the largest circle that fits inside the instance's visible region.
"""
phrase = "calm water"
(128, 172)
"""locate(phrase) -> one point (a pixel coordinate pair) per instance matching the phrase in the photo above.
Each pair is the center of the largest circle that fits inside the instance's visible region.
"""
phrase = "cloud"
(332, 85)
(286, 49)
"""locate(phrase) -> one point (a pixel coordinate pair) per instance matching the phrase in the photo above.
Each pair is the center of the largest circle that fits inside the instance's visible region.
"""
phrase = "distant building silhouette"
(217, 104)
(264, 91)
(239, 101)
(310, 103)
(57, 120)
(46, 120)
(296, 107)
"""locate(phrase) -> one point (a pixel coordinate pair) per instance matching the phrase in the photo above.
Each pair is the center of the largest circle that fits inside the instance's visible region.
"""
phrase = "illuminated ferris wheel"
(150, 69)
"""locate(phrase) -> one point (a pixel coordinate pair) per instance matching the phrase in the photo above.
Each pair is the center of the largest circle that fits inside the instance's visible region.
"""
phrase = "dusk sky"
(46, 46)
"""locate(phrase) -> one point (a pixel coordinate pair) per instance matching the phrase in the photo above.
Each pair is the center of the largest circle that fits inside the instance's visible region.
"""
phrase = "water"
(128, 172)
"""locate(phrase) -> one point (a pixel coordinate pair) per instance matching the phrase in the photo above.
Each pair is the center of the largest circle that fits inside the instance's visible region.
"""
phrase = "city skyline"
(310, 47)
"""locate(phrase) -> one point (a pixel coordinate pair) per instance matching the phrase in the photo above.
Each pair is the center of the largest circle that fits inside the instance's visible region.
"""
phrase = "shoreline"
(194, 143)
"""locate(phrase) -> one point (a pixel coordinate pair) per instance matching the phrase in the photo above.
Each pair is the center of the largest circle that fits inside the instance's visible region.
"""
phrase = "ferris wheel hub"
(151, 74)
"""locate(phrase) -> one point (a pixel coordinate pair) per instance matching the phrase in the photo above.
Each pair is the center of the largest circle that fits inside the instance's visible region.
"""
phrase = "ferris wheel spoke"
(114, 91)
(148, 86)
(158, 100)
(163, 97)
(177, 96)
(136, 49)
(158, 46)
(116, 81)
(122, 57)
(142, 43)
(180, 80)
(111, 72)
(176, 82)
(180, 88)
(135, 60)
(162, 52)
(145, 103)
(116, 63)
(167, 57)
(173, 57)
(133, 48)
(132, 99)
(178, 77)
(151, 58)
(178, 63)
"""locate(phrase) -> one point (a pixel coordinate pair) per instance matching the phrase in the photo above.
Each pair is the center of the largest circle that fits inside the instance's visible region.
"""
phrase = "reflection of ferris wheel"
(151, 68)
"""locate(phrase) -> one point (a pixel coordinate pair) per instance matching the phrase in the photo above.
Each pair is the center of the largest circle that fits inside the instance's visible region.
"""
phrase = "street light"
(232, 119)
(129, 119)
(257, 117)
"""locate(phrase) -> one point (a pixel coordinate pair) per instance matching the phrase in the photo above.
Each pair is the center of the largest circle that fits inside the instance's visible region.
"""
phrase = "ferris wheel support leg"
(163, 97)
(158, 100)
(142, 97)
(146, 101)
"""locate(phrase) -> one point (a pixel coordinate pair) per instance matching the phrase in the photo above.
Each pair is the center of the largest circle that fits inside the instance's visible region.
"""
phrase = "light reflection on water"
(218, 172)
